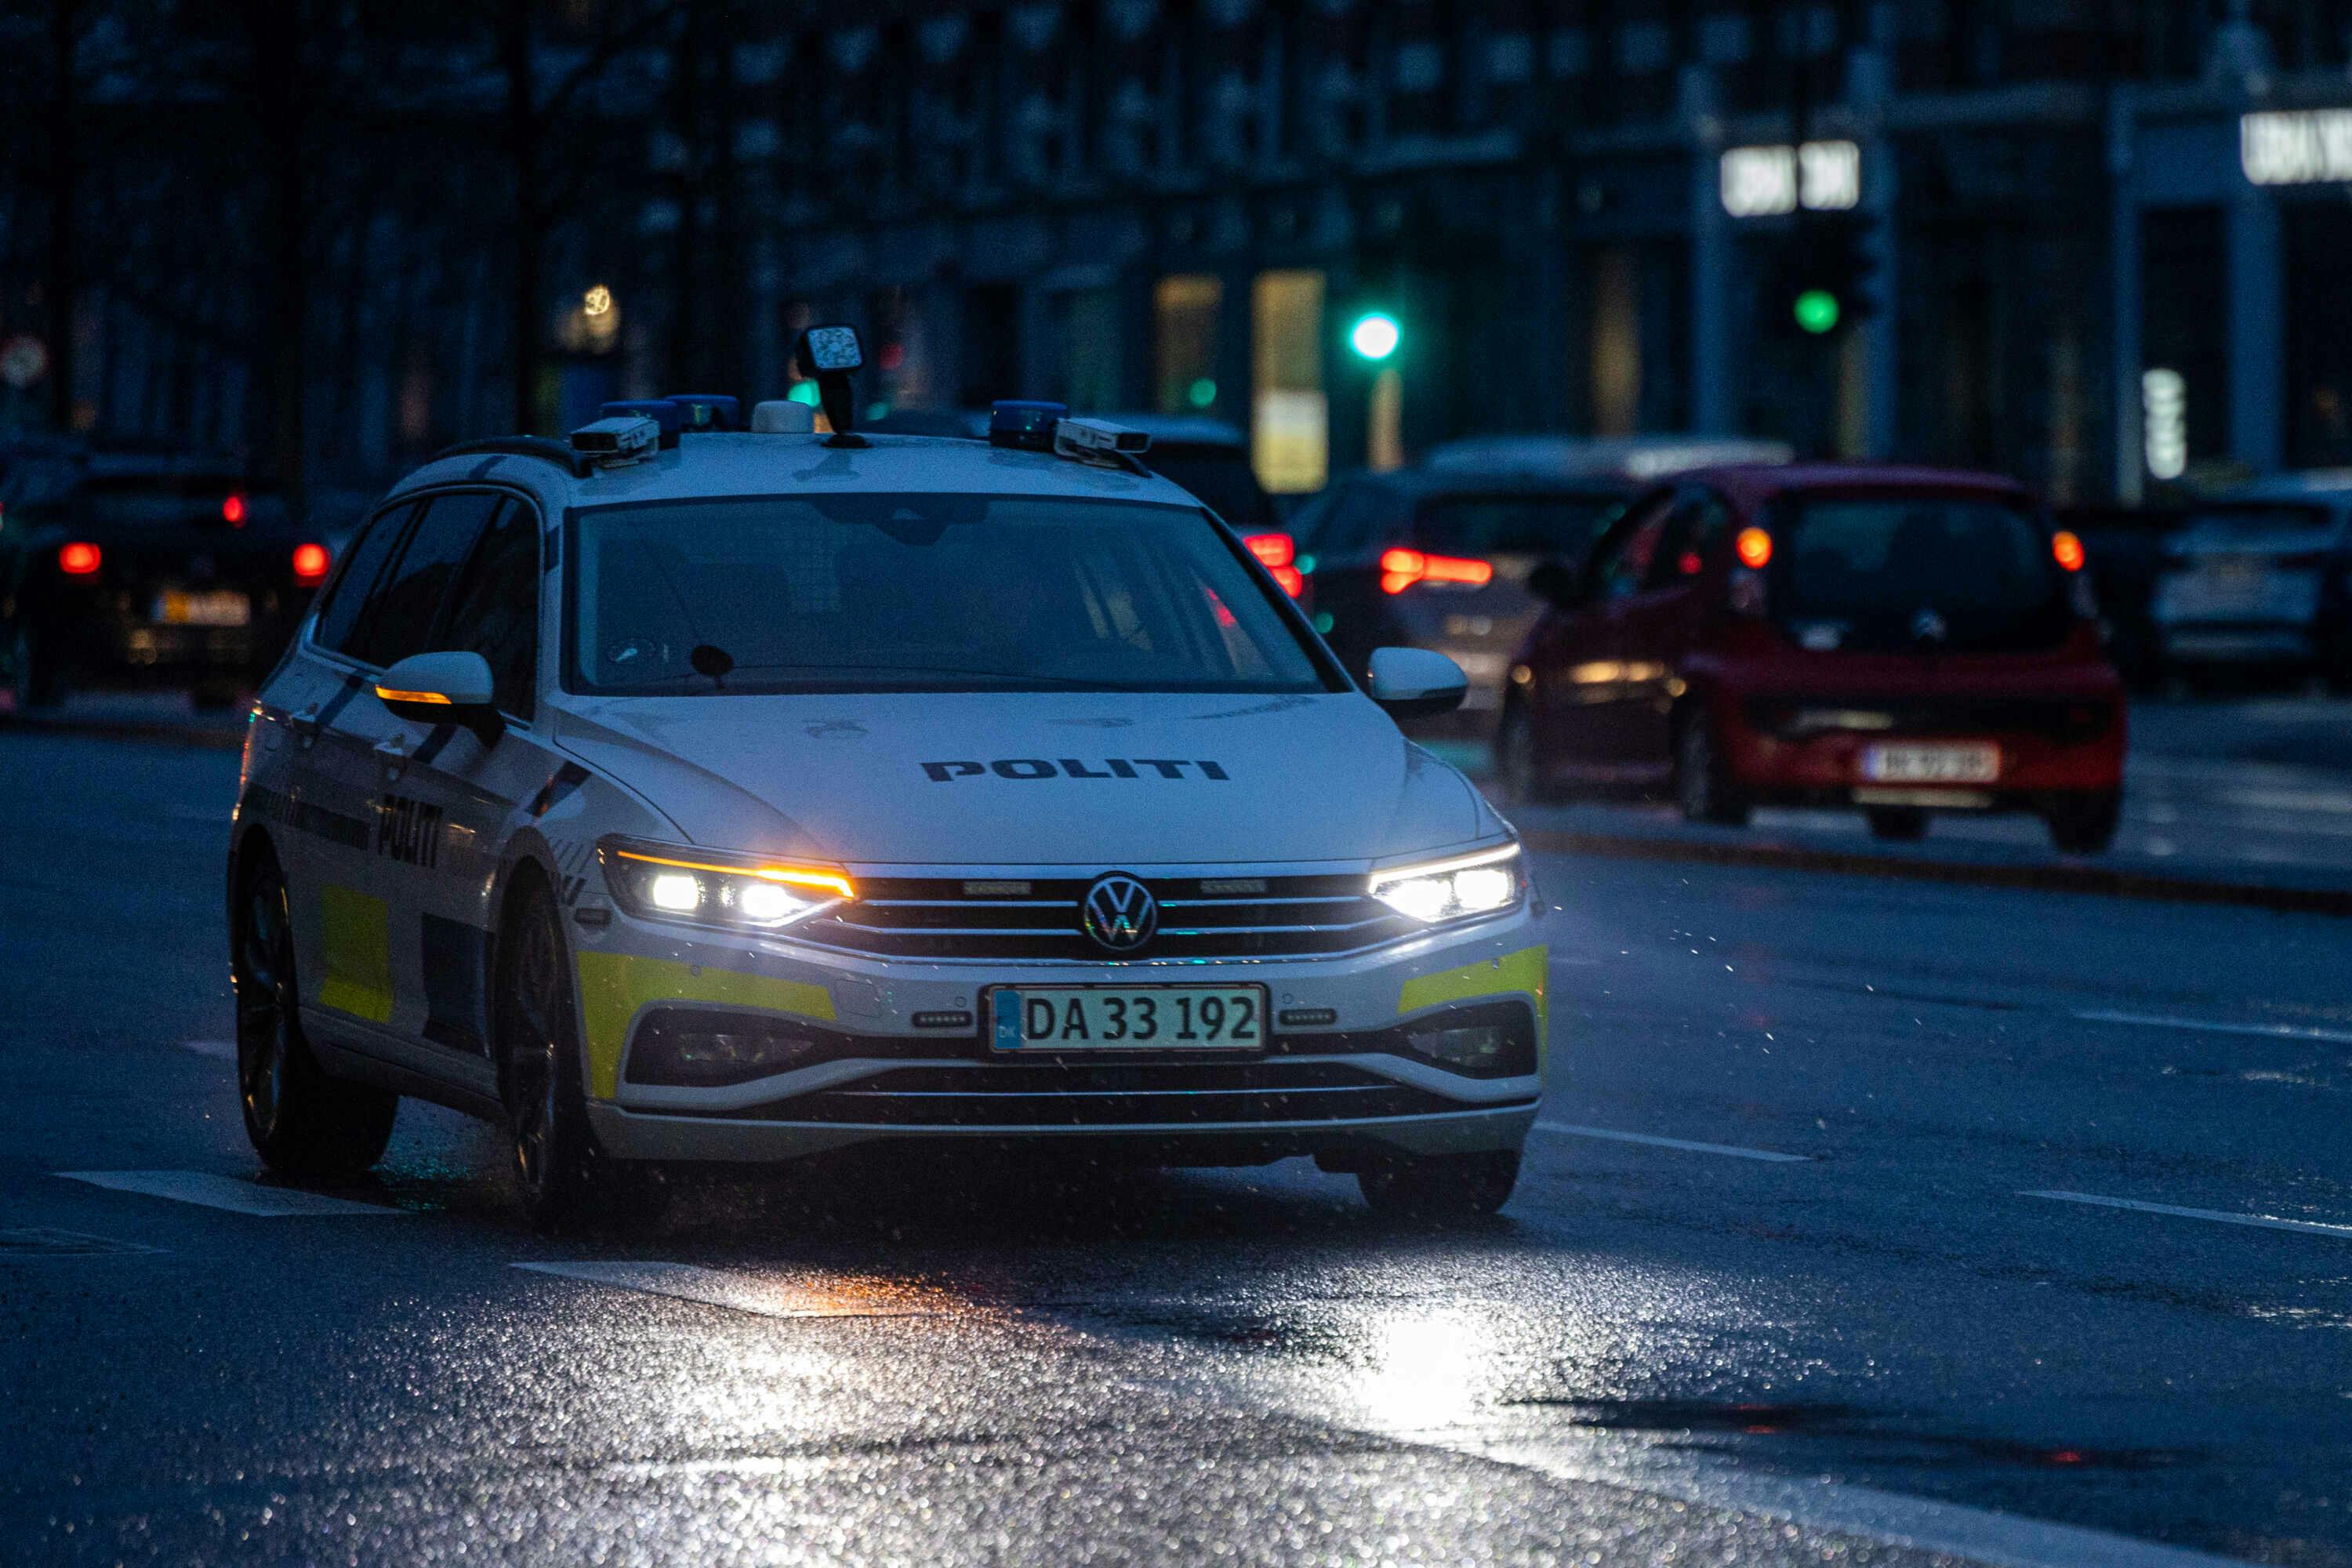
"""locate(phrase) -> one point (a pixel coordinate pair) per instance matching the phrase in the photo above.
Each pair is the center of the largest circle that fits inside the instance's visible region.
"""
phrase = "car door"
(369, 969)
(1658, 623)
(1580, 665)
(451, 796)
(314, 789)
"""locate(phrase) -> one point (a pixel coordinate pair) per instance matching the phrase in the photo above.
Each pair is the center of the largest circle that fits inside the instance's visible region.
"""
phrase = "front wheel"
(1440, 1188)
(1703, 788)
(33, 678)
(1518, 774)
(300, 1122)
(561, 1173)
(2086, 825)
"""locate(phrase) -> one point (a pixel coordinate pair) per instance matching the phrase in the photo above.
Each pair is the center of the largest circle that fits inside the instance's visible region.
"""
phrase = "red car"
(1904, 641)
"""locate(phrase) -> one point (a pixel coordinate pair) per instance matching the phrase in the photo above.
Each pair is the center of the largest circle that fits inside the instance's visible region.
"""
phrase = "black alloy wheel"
(300, 1122)
(562, 1174)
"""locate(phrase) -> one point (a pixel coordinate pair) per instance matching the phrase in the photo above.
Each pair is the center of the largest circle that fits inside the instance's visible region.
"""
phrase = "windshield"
(921, 592)
(1917, 571)
(1528, 524)
(1221, 476)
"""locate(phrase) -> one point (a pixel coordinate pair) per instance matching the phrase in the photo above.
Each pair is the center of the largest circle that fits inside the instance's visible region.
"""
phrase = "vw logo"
(1929, 626)
(1119, 912)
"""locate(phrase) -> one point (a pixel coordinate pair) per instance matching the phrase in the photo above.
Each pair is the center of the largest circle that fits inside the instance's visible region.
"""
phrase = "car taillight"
(1400, 569)
(233, 512)
(1292, 583)
(1754, 548)
(78, 559)
(2066, 549)
(1277, 553)
(310, 562)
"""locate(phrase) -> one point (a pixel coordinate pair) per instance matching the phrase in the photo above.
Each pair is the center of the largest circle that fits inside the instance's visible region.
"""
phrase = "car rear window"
(1916, 571)
(179, 502)
(1537, 523)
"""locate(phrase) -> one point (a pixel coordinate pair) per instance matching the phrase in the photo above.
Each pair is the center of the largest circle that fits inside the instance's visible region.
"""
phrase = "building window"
(1290, 435)
(1616, 342)
(1184, 342)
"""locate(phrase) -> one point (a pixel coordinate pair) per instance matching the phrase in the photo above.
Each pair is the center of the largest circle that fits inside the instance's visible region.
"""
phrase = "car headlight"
(1454, 889)
(675, 882)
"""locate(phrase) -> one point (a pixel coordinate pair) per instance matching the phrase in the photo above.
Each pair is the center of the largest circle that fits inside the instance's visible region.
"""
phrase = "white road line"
(220, 1050)
(1567, 1130)
(2214, 1027)
(769, 1296)
(1979, 1535)
(2221, 1217)
(225, 1193)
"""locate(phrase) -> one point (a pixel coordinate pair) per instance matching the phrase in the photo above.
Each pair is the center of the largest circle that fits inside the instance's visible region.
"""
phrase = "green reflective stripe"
(1521, 972)
(355, 929)
(615, 987)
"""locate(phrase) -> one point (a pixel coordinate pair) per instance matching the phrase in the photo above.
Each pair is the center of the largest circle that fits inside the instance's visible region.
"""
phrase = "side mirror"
(1415, 683)
(444, 689)
(1557, 583)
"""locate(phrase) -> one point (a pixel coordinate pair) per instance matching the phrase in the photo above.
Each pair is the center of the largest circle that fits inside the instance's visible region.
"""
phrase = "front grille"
(1109, 1094)
(969, 918)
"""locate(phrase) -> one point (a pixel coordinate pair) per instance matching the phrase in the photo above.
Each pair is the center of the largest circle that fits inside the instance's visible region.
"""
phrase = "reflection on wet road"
(1907, 1327)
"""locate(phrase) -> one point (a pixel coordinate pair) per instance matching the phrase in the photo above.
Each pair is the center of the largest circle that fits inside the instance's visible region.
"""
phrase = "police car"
(693, 794)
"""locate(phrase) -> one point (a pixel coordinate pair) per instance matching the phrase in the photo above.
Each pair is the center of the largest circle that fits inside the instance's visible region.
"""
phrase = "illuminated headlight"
(671, 881)
(1466, 885)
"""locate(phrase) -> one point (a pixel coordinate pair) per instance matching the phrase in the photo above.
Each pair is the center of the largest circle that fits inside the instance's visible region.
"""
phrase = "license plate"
(175, 607)
(1114, 1019)
(1931, 764)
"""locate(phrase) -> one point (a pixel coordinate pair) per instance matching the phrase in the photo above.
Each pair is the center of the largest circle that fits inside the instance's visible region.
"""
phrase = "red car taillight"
(78, 559)
(310, 564)
(1277, 551)
(1400, 569)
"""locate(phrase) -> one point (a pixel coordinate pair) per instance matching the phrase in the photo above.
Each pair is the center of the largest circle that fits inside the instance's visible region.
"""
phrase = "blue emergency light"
(708, 411)
(1025, 423)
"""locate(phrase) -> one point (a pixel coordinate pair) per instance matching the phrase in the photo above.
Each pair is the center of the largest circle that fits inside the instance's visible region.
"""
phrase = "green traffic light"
(1817, 310)
(1374, 336)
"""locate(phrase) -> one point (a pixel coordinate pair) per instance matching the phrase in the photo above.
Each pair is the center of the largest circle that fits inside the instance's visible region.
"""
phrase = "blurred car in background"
(2261, 578)
(1207, 456)
(2124, 549)
(1904, 641)
(1439, 558)
(140, 567)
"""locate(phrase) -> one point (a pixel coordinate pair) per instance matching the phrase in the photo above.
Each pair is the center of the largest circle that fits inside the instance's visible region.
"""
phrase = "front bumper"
(907, 1059)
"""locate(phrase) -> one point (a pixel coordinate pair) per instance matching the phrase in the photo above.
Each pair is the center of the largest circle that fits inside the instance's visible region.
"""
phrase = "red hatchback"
(1903, 640)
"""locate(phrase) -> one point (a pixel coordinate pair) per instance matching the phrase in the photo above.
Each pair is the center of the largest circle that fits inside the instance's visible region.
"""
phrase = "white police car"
(753, 795)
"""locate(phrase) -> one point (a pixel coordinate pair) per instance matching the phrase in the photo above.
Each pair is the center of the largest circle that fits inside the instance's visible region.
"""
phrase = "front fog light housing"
(671, 881)
(1457, 889)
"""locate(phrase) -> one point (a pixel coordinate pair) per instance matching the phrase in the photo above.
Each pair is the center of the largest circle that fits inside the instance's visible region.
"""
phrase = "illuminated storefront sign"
(1765, 182)
(2302, 147)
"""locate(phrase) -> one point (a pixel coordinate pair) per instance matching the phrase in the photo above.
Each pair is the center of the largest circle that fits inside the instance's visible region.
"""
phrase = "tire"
(564, 1178)
(1440, 1189)
(1701, 790)
(302, 1122)
(2085, 825)
(1897, 824)
(32, 674)
(1516, 776)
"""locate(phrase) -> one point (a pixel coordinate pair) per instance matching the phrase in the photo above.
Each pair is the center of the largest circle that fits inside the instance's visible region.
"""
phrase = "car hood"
(1026, 779)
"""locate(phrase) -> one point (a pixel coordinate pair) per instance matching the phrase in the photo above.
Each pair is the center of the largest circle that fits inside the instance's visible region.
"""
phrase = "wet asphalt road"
(1658, 1354)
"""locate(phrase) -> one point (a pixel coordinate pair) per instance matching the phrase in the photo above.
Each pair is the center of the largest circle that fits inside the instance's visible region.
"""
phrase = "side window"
(1693, 531)
(340, 613)
(495, 610)
(1623, 564)
(399, 615)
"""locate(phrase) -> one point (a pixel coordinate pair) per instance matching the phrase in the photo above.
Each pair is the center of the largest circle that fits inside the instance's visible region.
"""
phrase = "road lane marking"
(1568, 1130)
(767, 1295)
(1979, 1535)
(2215, 1026)
(219, 1050)
(201, 1187)
(2223, 1216)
